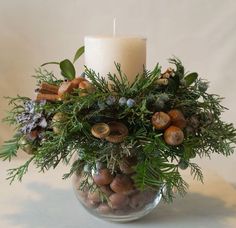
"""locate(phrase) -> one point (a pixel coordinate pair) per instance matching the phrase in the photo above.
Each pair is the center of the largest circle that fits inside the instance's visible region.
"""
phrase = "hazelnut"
(177, 118)
(94, 196)
(104, 208)
(118, 201)
(126, 165)
(122, 184)
(160, 120)
(102, 177)
(173, 136)
(106, 190)
(137, 201)
(90, 204)
(140, 199)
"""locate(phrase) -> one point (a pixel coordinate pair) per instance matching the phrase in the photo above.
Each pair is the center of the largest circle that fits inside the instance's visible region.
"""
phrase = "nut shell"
(100, 130)
(173, 136)
(118, 132)
(160, 120)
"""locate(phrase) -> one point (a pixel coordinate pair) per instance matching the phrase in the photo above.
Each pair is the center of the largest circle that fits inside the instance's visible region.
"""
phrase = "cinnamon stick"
(48, 97)
(50, 89)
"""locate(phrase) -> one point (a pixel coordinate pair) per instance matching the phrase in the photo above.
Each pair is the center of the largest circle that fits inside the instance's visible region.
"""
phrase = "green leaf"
(67, 69)
(44, 64)
(79, 52)
(190, 78)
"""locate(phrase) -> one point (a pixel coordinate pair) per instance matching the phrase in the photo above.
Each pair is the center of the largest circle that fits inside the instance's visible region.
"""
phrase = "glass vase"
(114, 198)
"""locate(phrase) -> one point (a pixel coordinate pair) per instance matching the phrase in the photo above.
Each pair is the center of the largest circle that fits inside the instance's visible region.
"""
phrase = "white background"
(201, 33)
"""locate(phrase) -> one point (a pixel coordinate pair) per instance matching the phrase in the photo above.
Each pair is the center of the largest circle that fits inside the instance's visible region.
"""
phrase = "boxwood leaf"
(190, 78)
(78, 53)
(67, 69)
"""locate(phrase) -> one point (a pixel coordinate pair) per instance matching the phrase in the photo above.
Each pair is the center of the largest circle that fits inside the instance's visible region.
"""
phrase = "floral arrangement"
(147, 130)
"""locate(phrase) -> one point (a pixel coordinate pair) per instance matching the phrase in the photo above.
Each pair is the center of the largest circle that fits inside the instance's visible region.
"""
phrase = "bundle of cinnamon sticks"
(47, 92)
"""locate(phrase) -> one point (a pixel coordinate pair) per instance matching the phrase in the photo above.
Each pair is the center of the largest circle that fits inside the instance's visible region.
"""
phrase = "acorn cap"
(100, 130)
(118, 132)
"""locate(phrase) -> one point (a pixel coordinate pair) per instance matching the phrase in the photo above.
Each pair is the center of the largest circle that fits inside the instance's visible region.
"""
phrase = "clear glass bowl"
(106, 204)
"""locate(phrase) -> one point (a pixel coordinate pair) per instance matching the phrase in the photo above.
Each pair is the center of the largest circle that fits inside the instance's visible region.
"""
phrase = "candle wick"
(114, 26)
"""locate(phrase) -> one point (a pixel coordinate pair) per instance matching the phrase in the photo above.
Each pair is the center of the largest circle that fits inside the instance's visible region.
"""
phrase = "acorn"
(56, 120)
(104, 208)
(173, 136)
(177, 118)
(26, 146)
(94, 196)
(160, 120)
(118, 201)
(102, 177)
(122, 184)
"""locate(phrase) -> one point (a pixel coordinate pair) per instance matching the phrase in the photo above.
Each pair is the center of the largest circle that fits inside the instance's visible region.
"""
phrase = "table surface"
(45, 200)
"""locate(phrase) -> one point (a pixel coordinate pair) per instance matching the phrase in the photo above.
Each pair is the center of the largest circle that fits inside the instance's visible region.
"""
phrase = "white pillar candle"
(102, 52)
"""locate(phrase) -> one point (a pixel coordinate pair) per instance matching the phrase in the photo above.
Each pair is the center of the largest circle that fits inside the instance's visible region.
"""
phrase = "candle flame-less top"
(102, 52)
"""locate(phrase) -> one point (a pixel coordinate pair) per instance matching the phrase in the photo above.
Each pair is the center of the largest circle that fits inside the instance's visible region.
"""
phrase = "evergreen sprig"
(158, 166)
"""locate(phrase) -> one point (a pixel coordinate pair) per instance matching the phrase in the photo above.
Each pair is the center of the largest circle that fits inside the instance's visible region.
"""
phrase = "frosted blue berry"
(86, 168)
(183, 82)
(164, 97)
(130, 102)
(101, 105)
(183, 164)
(83, 75)
(159, 104)
(203, 86)
(122, 101)
(111, 100)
